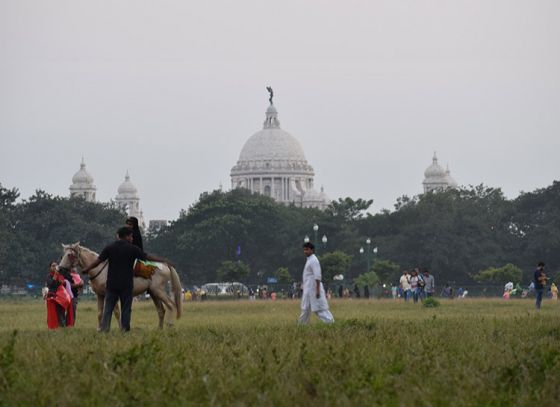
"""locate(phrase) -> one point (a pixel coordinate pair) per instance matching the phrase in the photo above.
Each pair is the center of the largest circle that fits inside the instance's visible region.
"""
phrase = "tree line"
(465, 236)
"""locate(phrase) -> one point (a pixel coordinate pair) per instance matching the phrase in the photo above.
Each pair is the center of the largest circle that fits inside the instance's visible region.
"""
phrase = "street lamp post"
(315, 229)
(368, 255)
(316, 241)
(367, 251)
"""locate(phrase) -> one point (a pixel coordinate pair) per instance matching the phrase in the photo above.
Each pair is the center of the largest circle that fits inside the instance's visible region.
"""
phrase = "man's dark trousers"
(111, 298)
(539, 291)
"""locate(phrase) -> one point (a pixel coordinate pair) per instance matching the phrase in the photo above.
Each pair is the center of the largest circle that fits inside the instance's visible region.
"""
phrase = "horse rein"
(75, 260)
(99, 272)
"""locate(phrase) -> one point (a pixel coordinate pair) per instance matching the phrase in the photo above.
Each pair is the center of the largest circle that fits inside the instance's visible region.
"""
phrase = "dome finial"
(271, 121)
(83, 163)
(271, 92)
(435, 157)
(127, 176)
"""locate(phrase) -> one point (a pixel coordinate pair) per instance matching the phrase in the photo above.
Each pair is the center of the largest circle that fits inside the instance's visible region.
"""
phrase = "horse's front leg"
(100, 302)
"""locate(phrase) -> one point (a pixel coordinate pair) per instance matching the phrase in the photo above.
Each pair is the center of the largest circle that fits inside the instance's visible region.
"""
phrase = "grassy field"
(379, 352)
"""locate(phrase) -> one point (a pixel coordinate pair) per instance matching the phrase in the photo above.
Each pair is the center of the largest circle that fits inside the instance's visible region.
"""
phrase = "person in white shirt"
(313, 298)
(404, 282)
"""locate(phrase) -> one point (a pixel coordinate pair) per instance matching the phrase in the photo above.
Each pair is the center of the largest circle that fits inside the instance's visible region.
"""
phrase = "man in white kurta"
(313, 298)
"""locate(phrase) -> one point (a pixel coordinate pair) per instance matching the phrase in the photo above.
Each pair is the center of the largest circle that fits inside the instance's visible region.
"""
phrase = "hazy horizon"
(171, 92)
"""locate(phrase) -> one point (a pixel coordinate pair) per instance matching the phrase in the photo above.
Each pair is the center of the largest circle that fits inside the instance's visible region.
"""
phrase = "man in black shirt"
(121, 255)
(540, 283)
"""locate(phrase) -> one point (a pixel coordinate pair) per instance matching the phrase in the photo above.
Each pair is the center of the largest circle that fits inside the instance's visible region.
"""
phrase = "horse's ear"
(64, 246)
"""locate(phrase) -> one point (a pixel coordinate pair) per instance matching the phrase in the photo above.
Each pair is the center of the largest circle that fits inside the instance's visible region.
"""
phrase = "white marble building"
(436, 178)
(272, 163)
(82, 184)
(127, 194)
(128, 199)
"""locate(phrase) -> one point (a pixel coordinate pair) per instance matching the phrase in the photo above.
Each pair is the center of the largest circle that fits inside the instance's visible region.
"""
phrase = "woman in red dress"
(59, 302)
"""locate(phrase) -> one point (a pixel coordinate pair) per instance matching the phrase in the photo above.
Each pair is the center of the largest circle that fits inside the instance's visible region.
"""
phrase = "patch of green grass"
(431, 302)
(463, 353)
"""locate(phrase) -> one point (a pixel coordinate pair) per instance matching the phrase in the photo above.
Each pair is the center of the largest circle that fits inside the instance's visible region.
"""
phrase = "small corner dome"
(434, 170)
(127, 187)
(450, 180)
(82, 176)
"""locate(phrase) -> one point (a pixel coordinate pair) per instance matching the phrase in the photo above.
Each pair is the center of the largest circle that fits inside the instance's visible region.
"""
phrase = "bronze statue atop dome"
(271, 94)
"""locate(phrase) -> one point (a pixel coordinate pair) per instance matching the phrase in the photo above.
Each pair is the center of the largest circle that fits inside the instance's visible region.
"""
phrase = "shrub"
(431, 302)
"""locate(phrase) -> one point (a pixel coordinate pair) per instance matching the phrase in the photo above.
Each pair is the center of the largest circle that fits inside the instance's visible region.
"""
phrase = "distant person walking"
(356, 291)
(429, 284)
(540, 283)
(404, 284)
(416, 283)
(313, 297)
(120, 277)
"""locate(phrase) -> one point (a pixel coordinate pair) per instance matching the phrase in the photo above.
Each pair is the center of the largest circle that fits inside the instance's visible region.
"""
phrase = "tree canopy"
(454, 234)
(31, 232)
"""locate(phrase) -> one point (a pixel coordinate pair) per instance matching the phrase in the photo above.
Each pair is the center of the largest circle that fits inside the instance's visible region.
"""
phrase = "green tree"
(370, 279)
(232, 271)
(283, 275)
(451, 233)
(37, 227)
(348, 208)
(235, 225)
(333, 264)
(386, 270)
(500, 275)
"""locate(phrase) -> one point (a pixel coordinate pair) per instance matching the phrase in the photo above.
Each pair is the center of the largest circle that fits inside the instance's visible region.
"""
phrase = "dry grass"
(463, 353)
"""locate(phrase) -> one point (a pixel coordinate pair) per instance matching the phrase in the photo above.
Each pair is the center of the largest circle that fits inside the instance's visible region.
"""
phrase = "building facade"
(272, 163)
(129, 200)
(436, 178)
(82, 184)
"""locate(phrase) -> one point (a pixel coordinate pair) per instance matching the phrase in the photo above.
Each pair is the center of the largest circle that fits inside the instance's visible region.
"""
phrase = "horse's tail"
(177, 290)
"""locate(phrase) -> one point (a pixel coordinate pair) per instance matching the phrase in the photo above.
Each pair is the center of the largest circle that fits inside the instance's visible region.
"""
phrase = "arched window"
(267, 190)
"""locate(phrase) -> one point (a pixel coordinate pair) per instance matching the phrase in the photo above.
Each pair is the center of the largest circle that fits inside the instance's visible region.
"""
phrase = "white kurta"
(312, 273)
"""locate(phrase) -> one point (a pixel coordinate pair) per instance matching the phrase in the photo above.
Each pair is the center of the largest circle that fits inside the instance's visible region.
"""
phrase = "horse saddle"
(145, 269)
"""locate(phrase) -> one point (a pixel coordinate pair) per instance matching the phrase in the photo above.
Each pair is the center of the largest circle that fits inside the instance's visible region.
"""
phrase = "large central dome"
(272, 162)
(272, 143)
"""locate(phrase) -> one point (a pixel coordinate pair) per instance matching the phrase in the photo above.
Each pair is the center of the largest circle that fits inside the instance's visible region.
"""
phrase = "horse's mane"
(88, 250)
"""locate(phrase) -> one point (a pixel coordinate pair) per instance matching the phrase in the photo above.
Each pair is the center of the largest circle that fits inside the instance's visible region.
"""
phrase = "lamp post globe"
(315, 229)
(324, 239)
(306, 239)
(361, 250)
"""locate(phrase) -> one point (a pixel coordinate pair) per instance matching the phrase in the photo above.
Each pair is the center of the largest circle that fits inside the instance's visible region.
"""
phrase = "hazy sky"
(171, 90)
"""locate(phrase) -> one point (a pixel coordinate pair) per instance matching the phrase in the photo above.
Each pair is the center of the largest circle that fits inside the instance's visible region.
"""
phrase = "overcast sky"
(171, 90)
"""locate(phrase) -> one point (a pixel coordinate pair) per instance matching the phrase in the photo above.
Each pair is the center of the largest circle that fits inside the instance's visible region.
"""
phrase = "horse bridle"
(75, 260)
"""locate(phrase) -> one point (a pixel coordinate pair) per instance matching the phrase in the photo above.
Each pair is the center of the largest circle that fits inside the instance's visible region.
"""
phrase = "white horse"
(76, 255)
